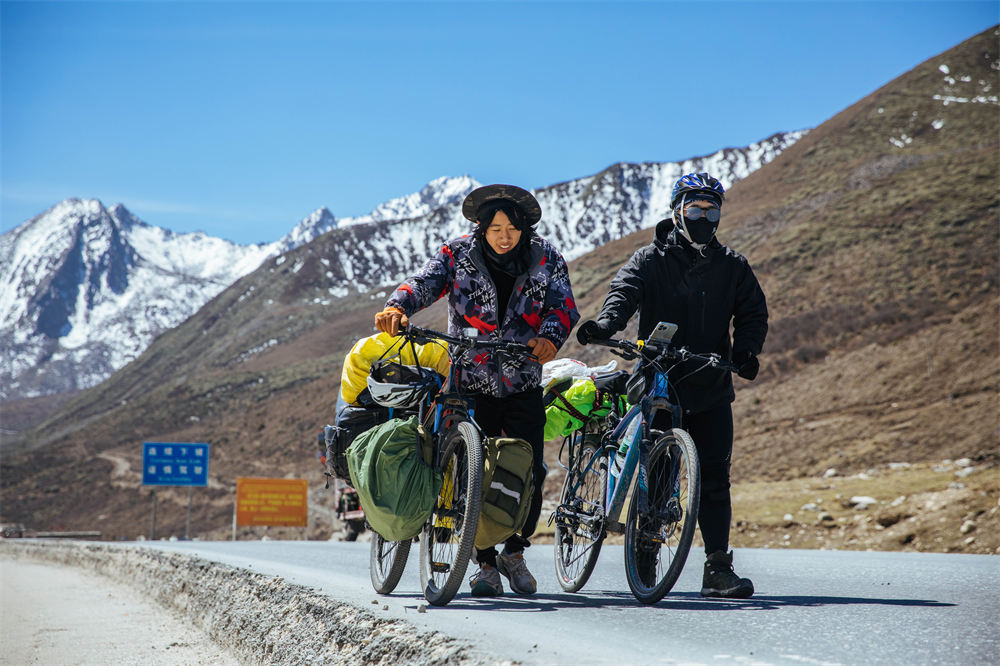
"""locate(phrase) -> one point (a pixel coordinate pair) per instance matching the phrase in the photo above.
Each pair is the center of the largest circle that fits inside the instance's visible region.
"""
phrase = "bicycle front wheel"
(387, 561)
(579, 522)
(657, 541)
(448, 536)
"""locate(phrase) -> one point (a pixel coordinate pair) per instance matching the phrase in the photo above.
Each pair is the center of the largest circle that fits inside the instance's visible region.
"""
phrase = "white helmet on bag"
(392, 384)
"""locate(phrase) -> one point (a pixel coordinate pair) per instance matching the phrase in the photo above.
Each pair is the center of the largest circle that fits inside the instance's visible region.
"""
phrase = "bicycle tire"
(448, 536)
(657, 543)
(387, 562)
(577, 545)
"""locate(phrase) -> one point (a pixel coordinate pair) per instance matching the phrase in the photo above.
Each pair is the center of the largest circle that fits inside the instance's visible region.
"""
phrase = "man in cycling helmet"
(687, 277)
(509, 283)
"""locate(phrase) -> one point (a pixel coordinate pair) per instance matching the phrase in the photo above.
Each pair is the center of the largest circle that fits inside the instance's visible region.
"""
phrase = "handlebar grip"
(605, 343)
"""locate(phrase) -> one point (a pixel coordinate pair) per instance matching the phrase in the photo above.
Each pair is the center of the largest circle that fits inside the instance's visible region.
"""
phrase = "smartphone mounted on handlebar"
(663, 333)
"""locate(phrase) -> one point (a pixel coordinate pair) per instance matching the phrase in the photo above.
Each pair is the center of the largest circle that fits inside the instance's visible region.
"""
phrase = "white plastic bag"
(568, 367)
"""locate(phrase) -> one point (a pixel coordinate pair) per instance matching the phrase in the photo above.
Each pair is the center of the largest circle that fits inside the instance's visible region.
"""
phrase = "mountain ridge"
(84, 340)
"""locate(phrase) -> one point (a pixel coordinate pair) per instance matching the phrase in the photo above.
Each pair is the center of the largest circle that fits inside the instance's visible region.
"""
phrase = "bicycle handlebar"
(651, 350)
(415, 333)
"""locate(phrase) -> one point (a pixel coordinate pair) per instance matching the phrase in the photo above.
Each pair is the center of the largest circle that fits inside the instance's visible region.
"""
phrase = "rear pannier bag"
(351, 422)
(397, 489)
(508, 485)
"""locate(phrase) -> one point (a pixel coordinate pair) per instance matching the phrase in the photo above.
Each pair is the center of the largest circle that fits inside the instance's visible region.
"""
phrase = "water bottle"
(618, 460)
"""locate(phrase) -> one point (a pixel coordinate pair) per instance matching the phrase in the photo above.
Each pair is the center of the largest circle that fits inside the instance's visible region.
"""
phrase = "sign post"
(175, 464)
(272, 502)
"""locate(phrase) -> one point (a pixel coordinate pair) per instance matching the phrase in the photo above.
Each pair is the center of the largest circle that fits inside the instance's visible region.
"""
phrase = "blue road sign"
(174, 464)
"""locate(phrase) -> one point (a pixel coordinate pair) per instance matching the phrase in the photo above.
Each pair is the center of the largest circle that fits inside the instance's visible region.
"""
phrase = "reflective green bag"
(397, 489)
(569, 406)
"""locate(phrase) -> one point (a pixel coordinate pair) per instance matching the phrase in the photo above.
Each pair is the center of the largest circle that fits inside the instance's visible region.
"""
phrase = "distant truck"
(11, 530)
(349, 510)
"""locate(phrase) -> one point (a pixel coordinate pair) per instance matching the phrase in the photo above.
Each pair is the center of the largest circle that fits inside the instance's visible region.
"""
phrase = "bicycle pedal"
(440, 567)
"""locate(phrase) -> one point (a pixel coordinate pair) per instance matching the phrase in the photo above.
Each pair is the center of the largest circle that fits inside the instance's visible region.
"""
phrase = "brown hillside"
(875, 238)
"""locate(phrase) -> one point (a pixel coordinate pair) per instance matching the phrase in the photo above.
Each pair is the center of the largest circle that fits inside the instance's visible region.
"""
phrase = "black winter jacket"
(669, 280)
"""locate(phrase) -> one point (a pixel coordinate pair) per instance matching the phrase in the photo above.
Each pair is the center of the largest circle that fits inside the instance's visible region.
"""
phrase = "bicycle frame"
(618, 486)
(655, 400)
(450, 405)
(663, 499)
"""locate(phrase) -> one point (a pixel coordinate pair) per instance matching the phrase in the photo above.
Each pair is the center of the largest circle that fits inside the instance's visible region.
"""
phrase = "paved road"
(811, 607)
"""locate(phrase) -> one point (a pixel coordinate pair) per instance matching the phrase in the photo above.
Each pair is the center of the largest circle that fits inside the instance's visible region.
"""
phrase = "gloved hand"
(747, 365)
(543, 349)
(593, 330)
(390, 319)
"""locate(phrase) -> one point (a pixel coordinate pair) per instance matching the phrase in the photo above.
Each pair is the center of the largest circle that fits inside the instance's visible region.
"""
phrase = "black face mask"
(513, 262)
(700, 231)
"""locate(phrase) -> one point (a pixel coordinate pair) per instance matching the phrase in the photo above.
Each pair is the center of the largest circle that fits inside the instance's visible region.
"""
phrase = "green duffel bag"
(397, 489)
(508, 485)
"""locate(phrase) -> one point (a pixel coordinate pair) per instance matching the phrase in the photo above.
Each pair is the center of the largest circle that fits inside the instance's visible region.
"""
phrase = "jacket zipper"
(703, 313)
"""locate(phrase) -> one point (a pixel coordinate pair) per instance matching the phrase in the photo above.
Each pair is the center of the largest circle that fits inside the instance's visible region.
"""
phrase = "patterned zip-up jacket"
(541, 305)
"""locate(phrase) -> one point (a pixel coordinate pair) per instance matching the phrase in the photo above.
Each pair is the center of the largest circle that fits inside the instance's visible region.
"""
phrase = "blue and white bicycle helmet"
(700, 183)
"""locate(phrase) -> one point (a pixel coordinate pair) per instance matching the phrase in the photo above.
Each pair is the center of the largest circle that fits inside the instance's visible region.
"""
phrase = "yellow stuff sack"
(354, 378)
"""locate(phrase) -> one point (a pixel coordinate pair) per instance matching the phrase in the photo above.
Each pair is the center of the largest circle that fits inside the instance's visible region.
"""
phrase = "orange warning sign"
(275, 502)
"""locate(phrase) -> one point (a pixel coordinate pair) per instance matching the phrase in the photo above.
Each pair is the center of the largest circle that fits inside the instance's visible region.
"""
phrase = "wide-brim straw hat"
(521, 197)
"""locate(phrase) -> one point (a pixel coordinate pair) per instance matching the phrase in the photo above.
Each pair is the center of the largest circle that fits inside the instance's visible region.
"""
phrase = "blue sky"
(241, 118)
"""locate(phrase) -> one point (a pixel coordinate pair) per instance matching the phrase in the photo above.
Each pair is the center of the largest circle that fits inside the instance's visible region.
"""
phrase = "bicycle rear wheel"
(448, 536)
(387, 561)
(657, 541)
(579, 523)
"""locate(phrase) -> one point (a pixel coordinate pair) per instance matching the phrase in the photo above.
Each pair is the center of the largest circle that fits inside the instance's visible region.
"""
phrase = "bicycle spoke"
(446, 546)
(386, 563)
(579, 517)
(657, 541)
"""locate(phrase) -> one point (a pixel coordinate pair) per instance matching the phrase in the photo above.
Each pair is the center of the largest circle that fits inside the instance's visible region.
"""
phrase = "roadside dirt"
(251, 618)
(59, 614)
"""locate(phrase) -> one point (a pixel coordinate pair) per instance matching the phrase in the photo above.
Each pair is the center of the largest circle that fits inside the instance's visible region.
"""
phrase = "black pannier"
(351, 422)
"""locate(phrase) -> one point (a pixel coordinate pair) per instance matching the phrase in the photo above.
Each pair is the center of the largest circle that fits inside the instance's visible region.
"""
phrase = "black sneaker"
(720, 581)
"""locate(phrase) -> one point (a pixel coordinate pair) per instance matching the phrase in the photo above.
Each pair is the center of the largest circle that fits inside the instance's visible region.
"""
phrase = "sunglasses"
(711, 214)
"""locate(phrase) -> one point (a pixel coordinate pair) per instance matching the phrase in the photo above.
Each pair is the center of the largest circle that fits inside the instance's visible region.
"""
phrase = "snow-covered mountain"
(84, 289)
(443, 191)
(577, 216)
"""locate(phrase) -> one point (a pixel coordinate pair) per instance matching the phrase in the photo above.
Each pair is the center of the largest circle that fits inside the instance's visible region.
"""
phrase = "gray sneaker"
(513, 566)
(486, 582)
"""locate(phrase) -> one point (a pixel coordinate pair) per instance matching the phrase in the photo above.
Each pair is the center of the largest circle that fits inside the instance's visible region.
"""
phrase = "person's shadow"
(690, 601)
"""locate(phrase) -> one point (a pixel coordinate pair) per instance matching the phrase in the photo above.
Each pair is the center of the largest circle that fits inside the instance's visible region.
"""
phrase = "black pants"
(517, 415)
(712, 432)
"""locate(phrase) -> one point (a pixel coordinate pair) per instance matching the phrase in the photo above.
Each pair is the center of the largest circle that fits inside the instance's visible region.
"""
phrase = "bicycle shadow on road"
(683, 601)
(538, 603)
(693, 601)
